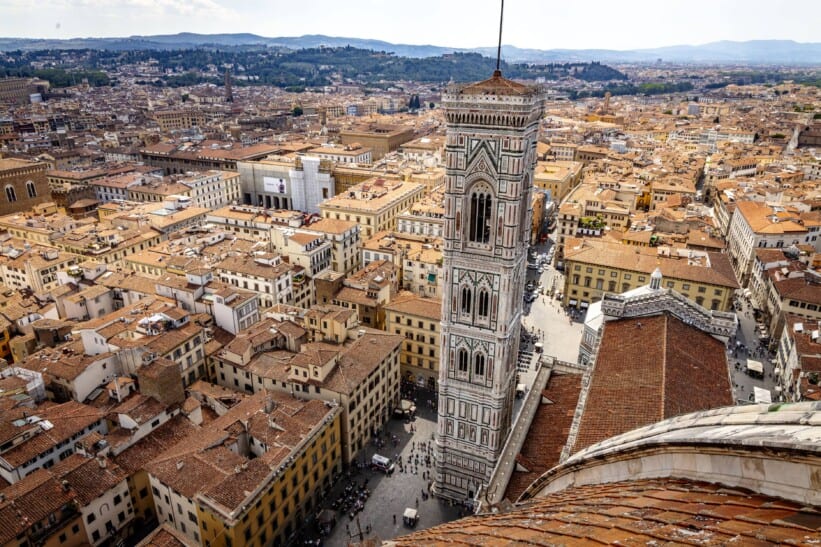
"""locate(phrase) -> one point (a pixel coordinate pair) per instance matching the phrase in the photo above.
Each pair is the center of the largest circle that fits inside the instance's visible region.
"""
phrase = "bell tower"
(490, 157)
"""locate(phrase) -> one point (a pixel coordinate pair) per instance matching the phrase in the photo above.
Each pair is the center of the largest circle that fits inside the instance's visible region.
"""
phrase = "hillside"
(751, 52)
(300, 68)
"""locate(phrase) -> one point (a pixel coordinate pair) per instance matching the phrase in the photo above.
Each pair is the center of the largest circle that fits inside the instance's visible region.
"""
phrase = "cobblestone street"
(390, 495)
(560, 332)
(750, 348)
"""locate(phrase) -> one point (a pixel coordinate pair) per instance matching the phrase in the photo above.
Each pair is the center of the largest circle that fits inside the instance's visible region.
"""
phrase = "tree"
(297, 111)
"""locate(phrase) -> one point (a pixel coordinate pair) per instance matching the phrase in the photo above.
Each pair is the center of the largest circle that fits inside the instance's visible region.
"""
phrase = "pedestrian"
(394, 518)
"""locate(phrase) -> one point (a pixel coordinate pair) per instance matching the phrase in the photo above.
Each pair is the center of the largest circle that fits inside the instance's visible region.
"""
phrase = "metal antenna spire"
(499, 49)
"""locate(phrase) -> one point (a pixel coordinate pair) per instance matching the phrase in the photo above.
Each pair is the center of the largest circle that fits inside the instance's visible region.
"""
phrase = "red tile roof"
(66, 419)
(166, 536)
(649, 369)
(88, 477)
(497, 85)
(31, 501)
(645, 512)
(548, 432)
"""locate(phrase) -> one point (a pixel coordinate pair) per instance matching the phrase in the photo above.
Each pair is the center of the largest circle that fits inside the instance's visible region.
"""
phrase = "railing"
(500, 478)
(711, 321)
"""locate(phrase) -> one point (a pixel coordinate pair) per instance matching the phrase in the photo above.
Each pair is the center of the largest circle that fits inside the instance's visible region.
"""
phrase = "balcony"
(54, 522)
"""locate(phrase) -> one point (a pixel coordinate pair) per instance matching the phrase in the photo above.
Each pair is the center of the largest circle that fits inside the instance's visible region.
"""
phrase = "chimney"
(270, 405)
(101, 462)
(66, 485)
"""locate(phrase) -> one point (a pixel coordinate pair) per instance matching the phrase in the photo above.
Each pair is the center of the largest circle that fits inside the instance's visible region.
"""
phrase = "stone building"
(23, 184)
(491, 154)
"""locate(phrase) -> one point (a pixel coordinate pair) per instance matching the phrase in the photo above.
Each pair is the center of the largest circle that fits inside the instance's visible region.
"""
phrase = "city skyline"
(636, 26)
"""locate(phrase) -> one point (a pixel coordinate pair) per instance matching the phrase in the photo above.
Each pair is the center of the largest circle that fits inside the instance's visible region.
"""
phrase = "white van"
(382, 463)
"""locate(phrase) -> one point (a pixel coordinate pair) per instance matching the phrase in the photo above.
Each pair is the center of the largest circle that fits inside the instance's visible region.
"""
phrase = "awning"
(572, 302)
(410, 513)
(755, 366)
(762, 395)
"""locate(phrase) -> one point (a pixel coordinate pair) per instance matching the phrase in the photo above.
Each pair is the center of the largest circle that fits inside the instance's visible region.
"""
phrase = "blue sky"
(541, 24)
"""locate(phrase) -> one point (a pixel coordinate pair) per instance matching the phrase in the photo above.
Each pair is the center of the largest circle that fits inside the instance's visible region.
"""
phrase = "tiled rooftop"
(647, 512)
(29, 502)
(646, 370)
(548, 432)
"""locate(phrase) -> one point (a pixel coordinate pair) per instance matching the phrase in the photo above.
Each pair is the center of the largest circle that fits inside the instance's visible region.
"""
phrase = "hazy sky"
(541, 24)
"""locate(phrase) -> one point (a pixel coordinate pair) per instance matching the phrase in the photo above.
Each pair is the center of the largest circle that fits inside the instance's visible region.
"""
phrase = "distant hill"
(297, 68)
(751, 52)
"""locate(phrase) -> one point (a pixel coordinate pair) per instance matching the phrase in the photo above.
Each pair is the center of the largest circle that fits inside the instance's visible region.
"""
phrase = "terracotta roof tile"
(626, 513)
(497, 85)
(548, 432)
(166, 536)
(29, 502)
(645, 372)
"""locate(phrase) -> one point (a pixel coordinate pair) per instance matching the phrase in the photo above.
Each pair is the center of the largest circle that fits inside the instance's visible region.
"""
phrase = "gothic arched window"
(467, 300)
(11, 195)
(479, 365)
(483, 304)
(481, 210)
(31, 190)
(463, 360)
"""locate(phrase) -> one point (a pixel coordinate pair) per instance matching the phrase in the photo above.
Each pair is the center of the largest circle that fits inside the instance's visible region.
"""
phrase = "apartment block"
(253, 476)
(557, 177)
(374, 205)
(380, 138)
(417, 319)
(595, 267)
(758, 225)
(345, 240)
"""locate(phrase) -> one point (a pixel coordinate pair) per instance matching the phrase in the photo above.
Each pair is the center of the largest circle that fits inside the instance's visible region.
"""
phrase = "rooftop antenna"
(499, 49)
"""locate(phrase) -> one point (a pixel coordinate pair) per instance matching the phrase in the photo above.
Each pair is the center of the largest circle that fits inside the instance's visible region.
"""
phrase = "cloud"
(166, 7)
(159, 7)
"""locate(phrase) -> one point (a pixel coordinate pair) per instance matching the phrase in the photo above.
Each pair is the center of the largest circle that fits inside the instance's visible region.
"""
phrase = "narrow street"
(747, 348)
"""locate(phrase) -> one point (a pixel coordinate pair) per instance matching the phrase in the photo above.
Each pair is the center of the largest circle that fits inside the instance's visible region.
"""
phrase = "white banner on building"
(273, 185)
